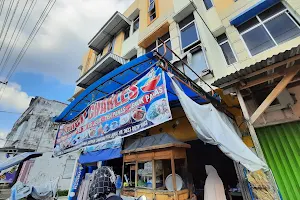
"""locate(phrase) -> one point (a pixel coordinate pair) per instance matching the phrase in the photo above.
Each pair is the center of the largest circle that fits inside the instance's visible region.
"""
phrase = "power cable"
(7, 47)
(6, 17)
(195, 7)
(28, 14)
(14, 12)
(29, 40)
(1, 6)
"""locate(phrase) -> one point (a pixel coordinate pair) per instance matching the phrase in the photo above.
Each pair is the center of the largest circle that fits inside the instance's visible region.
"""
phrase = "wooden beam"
(261, 71)
(291, 73)
(261, 80)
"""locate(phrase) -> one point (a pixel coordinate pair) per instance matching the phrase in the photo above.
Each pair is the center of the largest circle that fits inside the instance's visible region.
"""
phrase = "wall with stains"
(35, 130)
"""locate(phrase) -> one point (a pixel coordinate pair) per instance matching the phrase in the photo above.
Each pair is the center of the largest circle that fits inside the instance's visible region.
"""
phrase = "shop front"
(177, 140)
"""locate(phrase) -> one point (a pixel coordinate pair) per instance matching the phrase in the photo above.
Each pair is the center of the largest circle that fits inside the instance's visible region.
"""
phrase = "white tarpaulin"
(214, 127)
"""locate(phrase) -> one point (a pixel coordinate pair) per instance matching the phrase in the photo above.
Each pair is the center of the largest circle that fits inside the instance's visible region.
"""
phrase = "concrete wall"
(39, 135)
(40, 132)
(47, 168)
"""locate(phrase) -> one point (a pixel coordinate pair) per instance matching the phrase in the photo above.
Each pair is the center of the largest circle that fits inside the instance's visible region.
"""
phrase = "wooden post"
(173, 175)
(123, 172)
(136, 173)
(255, 140)
(153, 175)
(291, 73)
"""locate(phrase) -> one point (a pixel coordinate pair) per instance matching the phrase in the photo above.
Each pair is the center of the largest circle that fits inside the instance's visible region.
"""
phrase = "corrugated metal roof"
(158, 141)
(281, 147)
(259, 65)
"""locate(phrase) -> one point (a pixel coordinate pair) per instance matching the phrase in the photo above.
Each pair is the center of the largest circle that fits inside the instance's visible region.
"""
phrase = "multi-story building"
(243, 48)
(35, 131)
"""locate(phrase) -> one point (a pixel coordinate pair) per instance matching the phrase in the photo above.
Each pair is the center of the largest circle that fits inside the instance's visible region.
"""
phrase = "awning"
(101, 155)
(252, 11)
(122, 77)
(105, 65)
(18, 159)
(115, 24)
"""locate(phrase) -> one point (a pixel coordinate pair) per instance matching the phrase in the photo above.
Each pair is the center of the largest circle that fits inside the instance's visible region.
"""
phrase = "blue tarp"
(118, 79)
(18, 159)
(101, 155)
(252, 11)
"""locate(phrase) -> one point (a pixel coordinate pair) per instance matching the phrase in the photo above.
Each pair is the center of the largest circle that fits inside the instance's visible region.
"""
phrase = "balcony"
(103, 66)
(115, 24)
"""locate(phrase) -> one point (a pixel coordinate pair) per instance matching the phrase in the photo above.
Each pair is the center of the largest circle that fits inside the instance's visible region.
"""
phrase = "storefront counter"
(155, 194)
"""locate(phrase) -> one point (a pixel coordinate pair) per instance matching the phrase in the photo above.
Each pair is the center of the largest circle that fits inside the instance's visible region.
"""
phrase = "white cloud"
(58, 48)
(14, 99)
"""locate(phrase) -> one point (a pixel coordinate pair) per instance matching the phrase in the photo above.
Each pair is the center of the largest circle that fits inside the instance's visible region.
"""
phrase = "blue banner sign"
(137, 107)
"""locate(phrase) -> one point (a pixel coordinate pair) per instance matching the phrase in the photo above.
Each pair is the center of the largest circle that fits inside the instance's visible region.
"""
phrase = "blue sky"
(49, 68)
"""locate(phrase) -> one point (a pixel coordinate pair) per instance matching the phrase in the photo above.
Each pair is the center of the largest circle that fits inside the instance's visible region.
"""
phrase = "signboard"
(8, 175)
(137, 107)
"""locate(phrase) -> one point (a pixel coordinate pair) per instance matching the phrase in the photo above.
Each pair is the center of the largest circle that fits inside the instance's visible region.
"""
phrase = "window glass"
(136, 24)
(168, 55)
(248, 24)
(228, 53)
(186, 20)
(151, 6)
(287, 31)
(126, 33)
(208, 4)
(222, 38)
(152, 16)
(258, 40)
(151, 47)
(271, 11)
(188, 35)
(164, 37)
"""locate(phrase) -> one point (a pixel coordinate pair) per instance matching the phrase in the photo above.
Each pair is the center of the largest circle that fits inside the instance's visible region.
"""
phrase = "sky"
(49, 67)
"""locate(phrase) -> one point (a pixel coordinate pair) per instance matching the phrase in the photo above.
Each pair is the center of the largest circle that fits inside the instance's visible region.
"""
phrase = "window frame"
(262, 23)
(157, 45)
(227, 41)
(197, 32)
(134, 21)
(152, 12)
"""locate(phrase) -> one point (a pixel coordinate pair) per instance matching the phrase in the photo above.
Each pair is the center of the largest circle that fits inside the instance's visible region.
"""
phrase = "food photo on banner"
(137, 107)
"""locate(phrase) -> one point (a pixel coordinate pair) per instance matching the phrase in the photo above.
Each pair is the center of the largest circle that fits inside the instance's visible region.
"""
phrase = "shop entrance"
(201, 154)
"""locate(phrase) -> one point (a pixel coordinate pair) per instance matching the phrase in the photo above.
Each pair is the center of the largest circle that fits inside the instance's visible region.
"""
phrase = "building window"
(188, 32)
(136, 23)
(126, 33)
(208, 4)
(268, 29)
(152, 10)
(226, 49)
(68, 171)
(112, 45)
(197, 62)
(158, 46)
(133, 57)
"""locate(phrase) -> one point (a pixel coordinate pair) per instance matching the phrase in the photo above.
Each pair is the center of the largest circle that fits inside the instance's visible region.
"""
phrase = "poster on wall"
(137, 107)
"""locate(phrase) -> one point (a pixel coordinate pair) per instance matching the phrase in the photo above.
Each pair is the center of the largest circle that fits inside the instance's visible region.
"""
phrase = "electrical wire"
(28, 14)
(195, 7)
(6, 17)
(11, 19)
(9, 112)
(1, 6)
(31, 37)
(7, 47)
